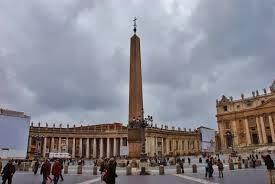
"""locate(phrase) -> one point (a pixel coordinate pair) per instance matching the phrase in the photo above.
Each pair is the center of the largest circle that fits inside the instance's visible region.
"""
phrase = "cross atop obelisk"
(135, 25)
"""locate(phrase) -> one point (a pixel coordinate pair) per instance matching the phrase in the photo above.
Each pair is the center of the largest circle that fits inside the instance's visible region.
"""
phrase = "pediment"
(269, 103)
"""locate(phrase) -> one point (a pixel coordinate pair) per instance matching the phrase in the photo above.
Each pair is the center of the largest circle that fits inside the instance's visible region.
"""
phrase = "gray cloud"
(69, 60)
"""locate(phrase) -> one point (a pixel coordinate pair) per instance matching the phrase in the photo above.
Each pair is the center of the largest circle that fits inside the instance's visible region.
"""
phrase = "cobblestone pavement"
(242, 176)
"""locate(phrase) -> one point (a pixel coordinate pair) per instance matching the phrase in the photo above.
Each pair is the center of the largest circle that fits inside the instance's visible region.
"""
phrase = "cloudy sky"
(68, 60)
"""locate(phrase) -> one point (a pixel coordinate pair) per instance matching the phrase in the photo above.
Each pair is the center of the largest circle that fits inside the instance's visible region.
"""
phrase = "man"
(46, 171)
(8, 172)
(56, 171)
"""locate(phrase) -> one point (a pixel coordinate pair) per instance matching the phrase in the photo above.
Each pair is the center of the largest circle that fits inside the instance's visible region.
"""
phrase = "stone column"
(67, 145)
(80, 147)
(248, 138)
(108, 147)
(186, 146)
(30, 144)
(196, 146)
(59, 145)
(101, 147)
(52, 144)
(115, 147)
(94, 148)
(44, 146)
(259, 130)
(156, 146)
(271, 128)
(73, 148)
(162, 146)
(167, 146)
(236, 136)
(263, 130)
(88, 148)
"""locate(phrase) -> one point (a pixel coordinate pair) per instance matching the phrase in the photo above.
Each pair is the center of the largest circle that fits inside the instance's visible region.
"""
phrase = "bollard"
(178, 169)
(231, 166)
(194, 168)
(161, 170)
(128, 170)
(26, 166)
(66, 169)
(239, 165)
(246, 164)
(95, 170)
(79, 169)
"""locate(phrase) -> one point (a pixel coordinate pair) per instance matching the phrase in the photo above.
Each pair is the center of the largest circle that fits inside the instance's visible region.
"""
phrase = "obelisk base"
(144, 165)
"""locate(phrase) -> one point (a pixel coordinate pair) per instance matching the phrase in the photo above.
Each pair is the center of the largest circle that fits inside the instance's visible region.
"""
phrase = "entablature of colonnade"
(167, 131)
(265, 108)
(70, 132)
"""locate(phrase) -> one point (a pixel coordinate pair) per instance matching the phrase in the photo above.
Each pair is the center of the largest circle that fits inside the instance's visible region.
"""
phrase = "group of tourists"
(107, 170)
(209, 170)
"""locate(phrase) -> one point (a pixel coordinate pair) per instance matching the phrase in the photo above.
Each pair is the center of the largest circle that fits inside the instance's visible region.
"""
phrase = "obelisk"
(135, 97)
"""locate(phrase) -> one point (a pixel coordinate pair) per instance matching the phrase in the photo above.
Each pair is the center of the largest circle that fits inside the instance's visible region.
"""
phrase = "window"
(238, 106)
(225, 108)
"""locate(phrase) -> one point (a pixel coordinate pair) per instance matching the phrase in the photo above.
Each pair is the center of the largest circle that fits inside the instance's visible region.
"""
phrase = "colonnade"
(81, 147)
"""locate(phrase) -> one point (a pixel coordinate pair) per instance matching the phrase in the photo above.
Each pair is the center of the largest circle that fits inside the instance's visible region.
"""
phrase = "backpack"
(105, 175)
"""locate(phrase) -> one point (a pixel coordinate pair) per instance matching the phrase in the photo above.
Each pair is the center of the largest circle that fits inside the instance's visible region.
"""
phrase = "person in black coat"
(8, 172)
(111, 172)
(268, 162)
(46, 171)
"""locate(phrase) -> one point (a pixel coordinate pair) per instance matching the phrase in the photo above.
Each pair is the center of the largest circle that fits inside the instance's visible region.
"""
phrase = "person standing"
(46, 171)
(189, 160)
(220, 168)
(8, 172)
(210, 167)
(110, 173)
(56, 171)
(206, 168)
(1, 165)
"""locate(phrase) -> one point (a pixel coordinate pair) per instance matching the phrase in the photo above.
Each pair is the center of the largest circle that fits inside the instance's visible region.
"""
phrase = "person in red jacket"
(56, 171)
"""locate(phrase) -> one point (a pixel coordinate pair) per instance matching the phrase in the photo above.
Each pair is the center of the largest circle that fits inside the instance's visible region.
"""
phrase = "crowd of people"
(52, 171)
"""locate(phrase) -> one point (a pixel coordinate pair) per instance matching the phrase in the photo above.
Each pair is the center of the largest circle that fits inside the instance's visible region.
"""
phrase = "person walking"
(46, 171)
(220, 168)
(62, 167)
(8, 172)
(181, 166)
(56, 171)
(35, 167)
(269, 166)
(189, 160)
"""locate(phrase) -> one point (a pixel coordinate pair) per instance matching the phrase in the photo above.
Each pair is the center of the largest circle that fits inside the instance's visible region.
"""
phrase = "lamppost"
(142, 123)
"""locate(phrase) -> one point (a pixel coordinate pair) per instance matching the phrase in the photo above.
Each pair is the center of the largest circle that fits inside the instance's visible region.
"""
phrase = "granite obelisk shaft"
(135, 98)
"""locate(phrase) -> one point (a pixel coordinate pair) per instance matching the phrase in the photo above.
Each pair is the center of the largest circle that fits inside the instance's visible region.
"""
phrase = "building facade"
(247, 122)
(105, 140)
